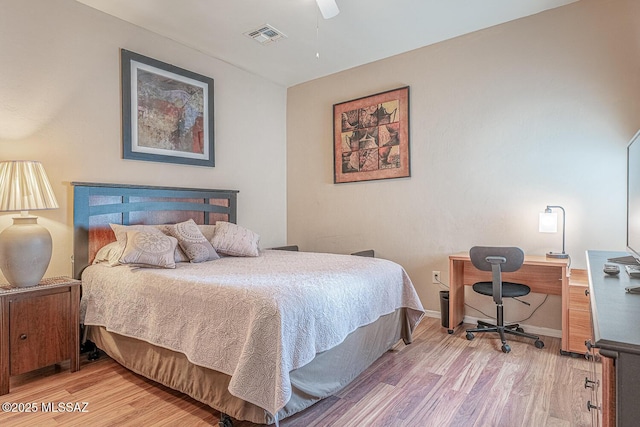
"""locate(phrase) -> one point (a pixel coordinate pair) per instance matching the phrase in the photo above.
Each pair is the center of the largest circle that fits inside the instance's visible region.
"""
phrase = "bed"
(258, 338)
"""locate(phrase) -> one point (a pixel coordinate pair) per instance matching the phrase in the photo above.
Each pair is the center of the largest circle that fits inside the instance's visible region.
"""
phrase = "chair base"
(514, 329)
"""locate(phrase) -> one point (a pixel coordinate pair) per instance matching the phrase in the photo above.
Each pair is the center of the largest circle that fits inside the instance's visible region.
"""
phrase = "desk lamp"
(549, 224)
(25, 246)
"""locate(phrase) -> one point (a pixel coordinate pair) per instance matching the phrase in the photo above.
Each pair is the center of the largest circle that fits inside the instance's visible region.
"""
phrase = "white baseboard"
(547, 332)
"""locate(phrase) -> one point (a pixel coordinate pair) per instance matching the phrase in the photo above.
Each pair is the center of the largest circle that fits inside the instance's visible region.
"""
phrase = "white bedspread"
(255, 319)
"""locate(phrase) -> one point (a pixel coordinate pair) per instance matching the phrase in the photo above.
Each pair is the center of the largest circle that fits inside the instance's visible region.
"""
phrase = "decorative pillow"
(149, 250)
(232, 239)
(179, 255)
(193, 242)
(121, 236)
(121, 230)
(208, 230)
(109, 254)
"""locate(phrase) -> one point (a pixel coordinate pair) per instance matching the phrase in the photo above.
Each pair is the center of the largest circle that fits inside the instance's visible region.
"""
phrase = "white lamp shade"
(24, 186)
(328, 8)
(548, 222)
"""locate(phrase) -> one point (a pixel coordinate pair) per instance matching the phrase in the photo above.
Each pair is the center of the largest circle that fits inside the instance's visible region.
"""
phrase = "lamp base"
(560, 255)
(25, 251)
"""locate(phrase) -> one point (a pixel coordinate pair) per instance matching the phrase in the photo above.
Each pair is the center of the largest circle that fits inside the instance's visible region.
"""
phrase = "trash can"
(444, 308)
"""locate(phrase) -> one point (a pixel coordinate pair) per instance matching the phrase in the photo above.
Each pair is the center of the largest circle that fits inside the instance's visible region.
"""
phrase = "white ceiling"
(363, 32)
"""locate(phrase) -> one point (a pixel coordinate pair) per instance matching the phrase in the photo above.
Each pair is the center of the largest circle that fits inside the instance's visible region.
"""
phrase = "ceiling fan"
(328, 8)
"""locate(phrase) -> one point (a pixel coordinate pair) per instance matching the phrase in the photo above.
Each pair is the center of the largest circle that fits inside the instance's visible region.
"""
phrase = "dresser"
(39, 326)
(615, 315)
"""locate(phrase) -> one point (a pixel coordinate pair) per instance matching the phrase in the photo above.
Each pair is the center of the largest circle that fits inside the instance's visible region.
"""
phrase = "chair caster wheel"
(519, 329)
(538, 344)
(469, 336)
(506, 348)
(450, 331)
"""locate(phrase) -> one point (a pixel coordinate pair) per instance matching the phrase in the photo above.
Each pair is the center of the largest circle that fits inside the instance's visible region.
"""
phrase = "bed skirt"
(325, 375)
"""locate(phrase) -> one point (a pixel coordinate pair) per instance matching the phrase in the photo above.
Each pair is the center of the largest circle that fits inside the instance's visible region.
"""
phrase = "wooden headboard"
(95, 206)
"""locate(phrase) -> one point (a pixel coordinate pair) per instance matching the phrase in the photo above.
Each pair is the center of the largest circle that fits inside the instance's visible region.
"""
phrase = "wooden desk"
(543, 275)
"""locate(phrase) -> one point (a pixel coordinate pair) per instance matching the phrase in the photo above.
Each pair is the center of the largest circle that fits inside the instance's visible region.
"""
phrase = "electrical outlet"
(435, 277)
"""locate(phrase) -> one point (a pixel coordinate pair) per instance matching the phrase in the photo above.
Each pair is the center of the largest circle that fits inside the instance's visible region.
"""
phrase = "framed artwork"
(167, 112)
(371, 137)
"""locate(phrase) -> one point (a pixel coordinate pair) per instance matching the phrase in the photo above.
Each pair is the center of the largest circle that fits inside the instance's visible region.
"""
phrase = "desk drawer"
(578, 298)
(579, 330)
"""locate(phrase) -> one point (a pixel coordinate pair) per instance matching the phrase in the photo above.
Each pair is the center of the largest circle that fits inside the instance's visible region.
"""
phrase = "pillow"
(121, 230)
(109, 254)
(193, 242)
(232, 239)
(179, 255)
(207, 230)
(121, 236)
(149, 250)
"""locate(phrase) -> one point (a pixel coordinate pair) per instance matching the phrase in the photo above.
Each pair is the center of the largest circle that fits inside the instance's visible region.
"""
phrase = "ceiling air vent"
(265, 34)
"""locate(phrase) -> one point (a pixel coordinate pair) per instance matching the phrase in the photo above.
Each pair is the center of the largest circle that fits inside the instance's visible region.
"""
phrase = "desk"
(543, 275)
(616, 316)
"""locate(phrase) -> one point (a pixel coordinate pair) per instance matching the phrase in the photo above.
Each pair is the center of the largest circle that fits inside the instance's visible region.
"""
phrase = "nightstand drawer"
(39, 331)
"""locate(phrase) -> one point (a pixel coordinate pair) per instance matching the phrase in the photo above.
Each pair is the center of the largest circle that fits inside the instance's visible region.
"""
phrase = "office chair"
(499, 260)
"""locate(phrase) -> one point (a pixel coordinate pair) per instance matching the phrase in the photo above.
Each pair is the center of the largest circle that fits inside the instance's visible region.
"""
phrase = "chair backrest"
(497, 260)
(514, 257)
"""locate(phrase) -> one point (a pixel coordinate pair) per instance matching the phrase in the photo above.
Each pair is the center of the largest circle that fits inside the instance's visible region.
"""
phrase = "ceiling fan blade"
(328, 8)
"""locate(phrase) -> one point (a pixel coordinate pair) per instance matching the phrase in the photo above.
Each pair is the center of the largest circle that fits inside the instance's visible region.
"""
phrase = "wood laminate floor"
(438, 380)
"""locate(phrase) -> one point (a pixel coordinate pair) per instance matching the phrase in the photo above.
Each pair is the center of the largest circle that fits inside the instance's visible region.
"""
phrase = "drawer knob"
(586, 292)
(591, 406)
(23, 336)
(589, 384)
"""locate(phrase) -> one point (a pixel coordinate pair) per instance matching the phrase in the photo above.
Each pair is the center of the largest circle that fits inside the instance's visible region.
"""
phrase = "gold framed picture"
(371, 137)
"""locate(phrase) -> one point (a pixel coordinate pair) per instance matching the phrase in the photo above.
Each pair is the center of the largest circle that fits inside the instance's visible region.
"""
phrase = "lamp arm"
(549, 207)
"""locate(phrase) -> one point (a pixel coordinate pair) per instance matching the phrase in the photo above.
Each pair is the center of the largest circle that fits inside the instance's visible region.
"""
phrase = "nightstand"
(39, 326)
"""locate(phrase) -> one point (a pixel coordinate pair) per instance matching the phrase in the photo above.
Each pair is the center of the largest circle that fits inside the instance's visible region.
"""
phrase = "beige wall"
(503, 122)
(60, 104)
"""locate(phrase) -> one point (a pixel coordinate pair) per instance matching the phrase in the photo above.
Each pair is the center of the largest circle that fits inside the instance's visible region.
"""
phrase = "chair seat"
(509, 290)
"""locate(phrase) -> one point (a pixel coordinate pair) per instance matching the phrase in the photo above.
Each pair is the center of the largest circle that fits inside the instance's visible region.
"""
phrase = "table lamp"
(549, 224)
(25, 246)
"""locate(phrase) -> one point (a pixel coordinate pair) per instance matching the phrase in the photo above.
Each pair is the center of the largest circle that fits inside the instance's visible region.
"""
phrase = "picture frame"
(371, 137)
(167, 112)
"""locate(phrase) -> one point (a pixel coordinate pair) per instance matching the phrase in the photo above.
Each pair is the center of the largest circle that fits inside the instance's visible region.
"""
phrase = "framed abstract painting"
(371, 137)
(167, 112)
